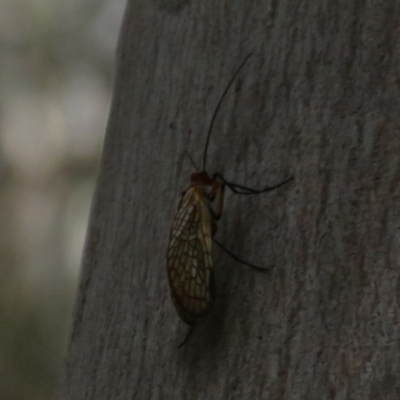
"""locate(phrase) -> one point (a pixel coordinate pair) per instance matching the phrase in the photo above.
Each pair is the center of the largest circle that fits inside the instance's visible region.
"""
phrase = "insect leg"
(235, 257)
(240, 189)
(220, 189)
(186, 338)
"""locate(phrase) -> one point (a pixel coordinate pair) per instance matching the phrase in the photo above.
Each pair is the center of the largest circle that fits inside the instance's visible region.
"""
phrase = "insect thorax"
(201, 178)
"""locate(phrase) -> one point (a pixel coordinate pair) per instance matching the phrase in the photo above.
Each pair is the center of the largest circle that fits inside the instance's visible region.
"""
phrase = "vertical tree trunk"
(319, 99)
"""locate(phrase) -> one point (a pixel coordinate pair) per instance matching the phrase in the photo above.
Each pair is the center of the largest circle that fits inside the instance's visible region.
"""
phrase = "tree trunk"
(319, 100)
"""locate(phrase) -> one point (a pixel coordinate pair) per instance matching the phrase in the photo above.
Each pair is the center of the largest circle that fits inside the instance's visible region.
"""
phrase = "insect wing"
(189, 257)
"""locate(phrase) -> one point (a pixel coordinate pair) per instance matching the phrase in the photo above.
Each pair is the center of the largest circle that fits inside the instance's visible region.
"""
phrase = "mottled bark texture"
(319, 99)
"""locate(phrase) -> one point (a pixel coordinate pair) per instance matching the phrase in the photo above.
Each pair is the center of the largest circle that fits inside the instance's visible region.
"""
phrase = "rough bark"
(319, 99)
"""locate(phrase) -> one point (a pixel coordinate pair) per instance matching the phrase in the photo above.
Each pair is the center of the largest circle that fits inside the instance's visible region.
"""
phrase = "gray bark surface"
(319, 99)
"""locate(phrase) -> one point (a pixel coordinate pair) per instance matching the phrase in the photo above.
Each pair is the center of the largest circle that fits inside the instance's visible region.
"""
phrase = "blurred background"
(56, 70)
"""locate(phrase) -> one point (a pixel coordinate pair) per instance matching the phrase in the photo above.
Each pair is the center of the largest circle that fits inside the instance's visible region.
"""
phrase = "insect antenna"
(217, 108)
(235, 257)
(186, 153)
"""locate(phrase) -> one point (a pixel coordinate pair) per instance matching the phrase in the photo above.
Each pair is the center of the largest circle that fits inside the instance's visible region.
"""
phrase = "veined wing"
(189, 257)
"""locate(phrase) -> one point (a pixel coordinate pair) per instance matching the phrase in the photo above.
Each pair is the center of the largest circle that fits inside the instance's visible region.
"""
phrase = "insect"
(189, 257)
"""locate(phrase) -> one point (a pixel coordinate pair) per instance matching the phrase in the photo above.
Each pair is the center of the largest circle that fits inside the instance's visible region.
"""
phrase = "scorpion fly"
(189, 258)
